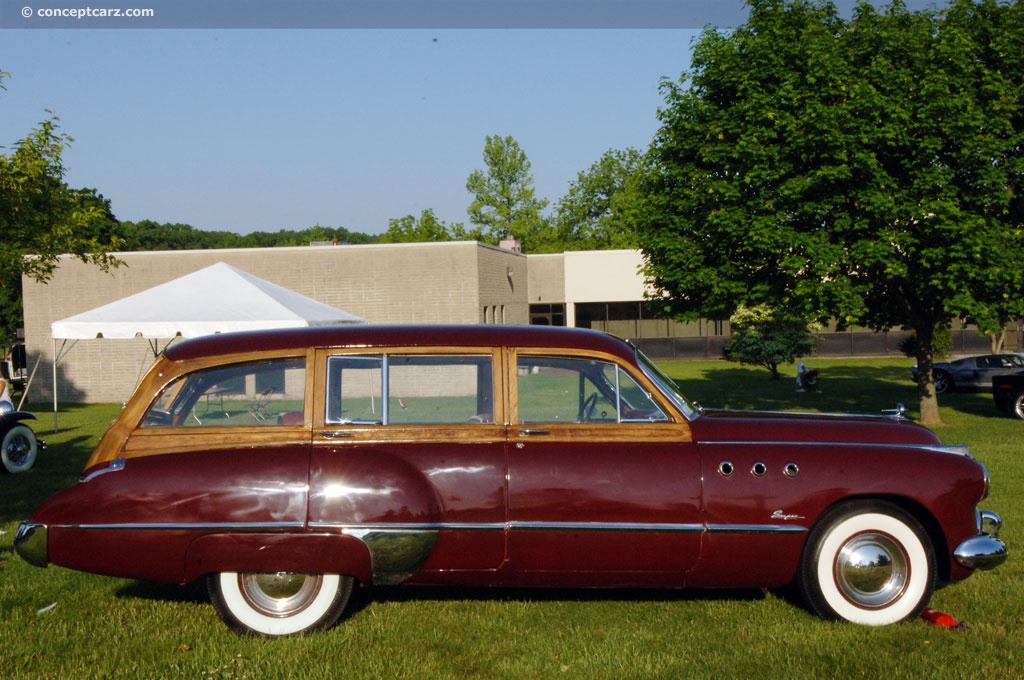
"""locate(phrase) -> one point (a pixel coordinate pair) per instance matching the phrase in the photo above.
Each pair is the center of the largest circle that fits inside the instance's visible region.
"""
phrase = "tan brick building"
(397, 283)
(441, 283)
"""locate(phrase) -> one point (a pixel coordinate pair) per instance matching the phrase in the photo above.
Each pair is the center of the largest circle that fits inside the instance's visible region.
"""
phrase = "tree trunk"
(930, 416)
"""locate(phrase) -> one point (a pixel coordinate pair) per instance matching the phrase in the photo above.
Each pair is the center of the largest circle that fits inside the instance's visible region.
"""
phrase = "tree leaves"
(866, 170)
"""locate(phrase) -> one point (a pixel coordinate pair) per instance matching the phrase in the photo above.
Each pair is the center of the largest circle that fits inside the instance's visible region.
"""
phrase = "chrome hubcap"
(17, 449)
(279, 594)
(871, 570)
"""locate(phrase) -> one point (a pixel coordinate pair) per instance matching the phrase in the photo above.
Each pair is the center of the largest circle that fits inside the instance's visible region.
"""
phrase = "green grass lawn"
(56, 623)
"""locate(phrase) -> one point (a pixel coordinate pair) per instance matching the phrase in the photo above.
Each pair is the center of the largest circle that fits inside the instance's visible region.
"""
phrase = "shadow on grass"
(57, 467)
(193, 593)
(523, 594)
(362, 598)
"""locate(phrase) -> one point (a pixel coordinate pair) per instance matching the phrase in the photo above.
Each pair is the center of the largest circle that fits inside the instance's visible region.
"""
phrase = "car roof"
(372, 336)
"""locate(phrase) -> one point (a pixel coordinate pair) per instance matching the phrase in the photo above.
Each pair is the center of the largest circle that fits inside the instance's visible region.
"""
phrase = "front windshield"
(667, 386)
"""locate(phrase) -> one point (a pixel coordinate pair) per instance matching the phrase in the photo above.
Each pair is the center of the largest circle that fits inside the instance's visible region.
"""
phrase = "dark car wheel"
(1017, 408)
(943, 383)
(19, 449)
(281, 603)
(868, 562)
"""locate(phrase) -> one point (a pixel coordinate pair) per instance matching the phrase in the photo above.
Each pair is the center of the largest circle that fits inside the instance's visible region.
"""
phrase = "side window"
(410, 389)
(576, 390)
(256, 393)
(355, 389)
(635, 403)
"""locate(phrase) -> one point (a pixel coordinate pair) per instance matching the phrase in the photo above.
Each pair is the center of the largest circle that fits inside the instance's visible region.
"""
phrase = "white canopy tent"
(217, 299)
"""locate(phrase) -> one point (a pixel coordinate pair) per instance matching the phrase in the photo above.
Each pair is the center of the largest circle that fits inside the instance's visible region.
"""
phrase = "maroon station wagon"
(283, 467)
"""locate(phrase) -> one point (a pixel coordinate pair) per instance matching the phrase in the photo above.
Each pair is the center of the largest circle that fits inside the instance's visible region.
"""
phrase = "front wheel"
(869, 563)
(943, 382)
(19, 449)
(281, 603)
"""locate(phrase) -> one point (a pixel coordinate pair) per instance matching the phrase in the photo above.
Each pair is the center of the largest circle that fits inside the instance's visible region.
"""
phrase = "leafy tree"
(148, 235)
(768, 337)
(427, 227)
(592, 216)
(867, 170)
(504, 199)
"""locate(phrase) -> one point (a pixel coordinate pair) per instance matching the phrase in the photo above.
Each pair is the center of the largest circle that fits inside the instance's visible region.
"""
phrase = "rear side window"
(410, 389)
(245, 394)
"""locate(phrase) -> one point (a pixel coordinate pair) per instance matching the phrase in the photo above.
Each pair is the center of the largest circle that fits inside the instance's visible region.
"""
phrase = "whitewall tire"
(869, 563)
(19, 448)
(281, 603)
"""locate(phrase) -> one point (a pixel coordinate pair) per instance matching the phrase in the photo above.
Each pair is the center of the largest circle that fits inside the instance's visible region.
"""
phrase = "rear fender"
(324, 553)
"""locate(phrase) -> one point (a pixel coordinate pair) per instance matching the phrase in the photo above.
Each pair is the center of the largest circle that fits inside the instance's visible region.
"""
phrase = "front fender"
(12, 418)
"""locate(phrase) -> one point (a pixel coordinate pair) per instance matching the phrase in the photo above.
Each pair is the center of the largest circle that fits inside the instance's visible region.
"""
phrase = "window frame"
(470, 356)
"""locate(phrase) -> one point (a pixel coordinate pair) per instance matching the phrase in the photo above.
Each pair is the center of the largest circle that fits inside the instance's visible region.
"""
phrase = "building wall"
(603, 276)
(547, 279)
(502, 286)
(393, 283)
(457, 282)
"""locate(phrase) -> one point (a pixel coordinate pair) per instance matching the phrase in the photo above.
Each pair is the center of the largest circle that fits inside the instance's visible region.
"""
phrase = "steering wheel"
(588, 408)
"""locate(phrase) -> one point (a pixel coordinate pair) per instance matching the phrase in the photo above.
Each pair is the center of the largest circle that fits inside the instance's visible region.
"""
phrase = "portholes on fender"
(759, 469)
(791, 470)
(725, 468)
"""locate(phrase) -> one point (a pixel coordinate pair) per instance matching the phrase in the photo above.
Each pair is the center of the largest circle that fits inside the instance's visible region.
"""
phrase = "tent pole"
(55, 385)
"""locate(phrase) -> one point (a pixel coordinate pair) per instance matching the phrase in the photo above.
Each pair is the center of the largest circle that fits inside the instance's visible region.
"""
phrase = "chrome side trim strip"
(953, 449)
(607, 526)
(570, 526)
(115, 465)
(354, 527)
(187, 526)
(756, 529)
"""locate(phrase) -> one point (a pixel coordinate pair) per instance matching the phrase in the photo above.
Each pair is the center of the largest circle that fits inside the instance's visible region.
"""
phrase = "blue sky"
(265, 130)
(247, 130)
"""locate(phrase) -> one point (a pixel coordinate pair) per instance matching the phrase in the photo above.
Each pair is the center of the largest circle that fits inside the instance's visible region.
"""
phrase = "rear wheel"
(1017, 407)
(868, 562)
(19, 448)
(281, 603)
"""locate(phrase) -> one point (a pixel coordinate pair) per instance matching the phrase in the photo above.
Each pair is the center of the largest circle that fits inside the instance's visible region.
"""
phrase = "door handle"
(335, 434)
(529, 431)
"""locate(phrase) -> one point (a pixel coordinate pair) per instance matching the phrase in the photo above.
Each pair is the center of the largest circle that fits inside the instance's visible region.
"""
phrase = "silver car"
(972, 373)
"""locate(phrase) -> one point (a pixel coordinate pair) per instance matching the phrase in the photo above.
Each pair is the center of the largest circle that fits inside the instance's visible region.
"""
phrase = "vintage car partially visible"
(284, 467)
(1008, 394)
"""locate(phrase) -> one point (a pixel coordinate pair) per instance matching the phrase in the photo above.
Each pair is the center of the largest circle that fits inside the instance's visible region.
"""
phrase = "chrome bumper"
(984, 551)
(30, 542)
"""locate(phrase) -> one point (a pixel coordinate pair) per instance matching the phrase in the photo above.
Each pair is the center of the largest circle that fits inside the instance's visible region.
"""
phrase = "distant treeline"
(148, 235)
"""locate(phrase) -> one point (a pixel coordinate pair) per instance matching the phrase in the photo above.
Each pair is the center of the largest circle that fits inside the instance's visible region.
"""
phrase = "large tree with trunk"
(866, 170)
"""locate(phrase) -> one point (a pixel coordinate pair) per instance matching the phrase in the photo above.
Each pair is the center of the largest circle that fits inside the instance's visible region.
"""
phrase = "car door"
(990, 366)
(601, 479)
(409, 455)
